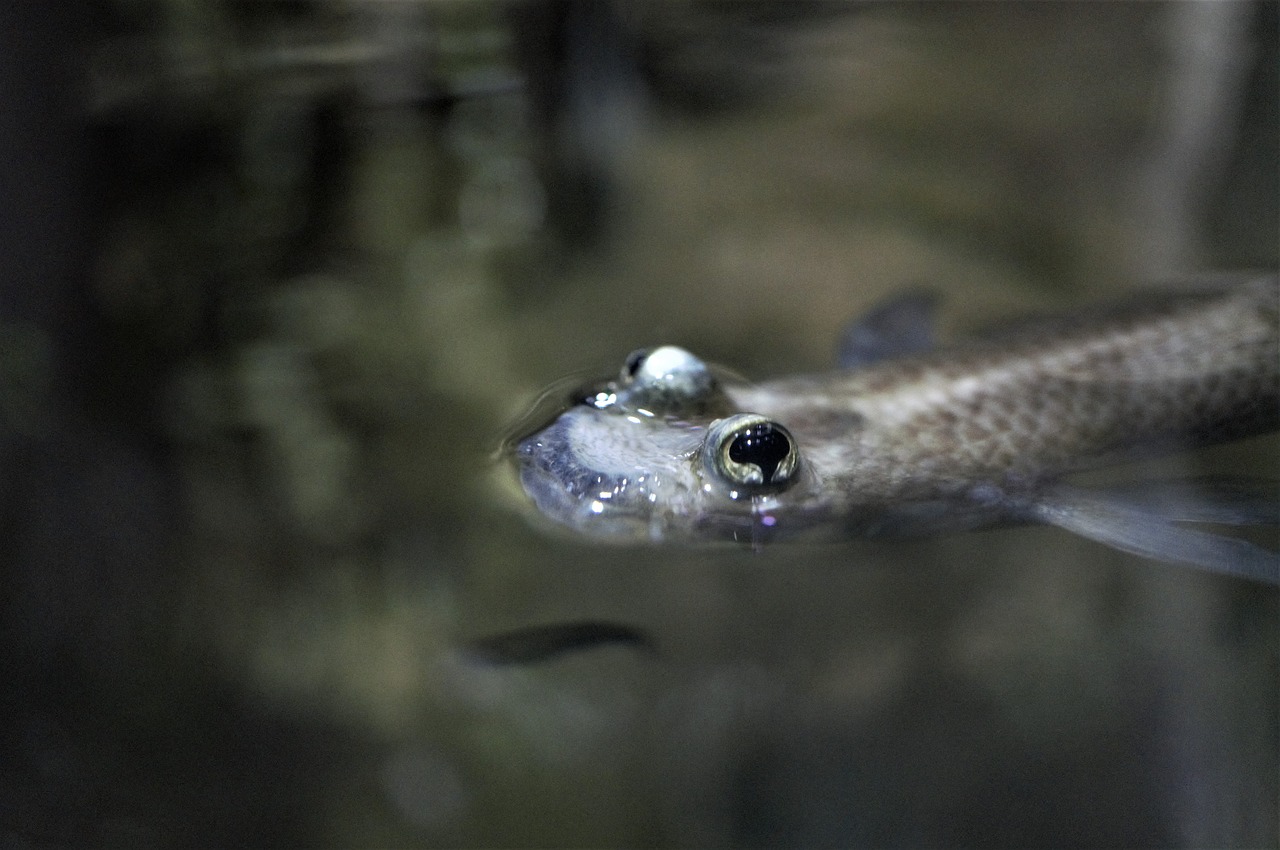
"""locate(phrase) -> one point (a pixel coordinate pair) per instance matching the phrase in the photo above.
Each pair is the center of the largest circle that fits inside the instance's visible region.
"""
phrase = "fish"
(540, 643)
(909, 439)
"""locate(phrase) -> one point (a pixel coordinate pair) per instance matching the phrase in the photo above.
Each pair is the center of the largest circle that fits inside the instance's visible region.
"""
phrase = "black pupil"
(761, 445)
(634, 361)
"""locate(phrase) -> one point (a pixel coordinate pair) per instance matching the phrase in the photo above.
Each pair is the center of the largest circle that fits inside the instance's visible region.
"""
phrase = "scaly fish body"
(1193, 371)
(947, 439)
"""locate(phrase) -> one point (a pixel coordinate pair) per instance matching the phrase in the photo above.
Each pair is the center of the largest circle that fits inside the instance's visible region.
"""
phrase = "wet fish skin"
(975, 434)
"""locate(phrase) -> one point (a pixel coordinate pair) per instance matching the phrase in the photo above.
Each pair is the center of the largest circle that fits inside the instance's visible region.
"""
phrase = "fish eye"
(667, 379)
(751, 452)
(634, 361)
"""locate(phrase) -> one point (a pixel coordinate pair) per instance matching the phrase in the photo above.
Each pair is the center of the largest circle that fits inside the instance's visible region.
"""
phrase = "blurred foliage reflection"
(281, 271)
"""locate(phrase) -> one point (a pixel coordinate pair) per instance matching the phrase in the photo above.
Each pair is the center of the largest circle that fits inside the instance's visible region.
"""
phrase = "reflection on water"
(254, 367)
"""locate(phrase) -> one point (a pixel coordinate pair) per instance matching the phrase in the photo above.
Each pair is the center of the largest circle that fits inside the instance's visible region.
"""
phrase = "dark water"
(276, 276)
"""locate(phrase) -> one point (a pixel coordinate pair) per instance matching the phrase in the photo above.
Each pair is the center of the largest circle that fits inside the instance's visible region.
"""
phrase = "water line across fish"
(911, 440)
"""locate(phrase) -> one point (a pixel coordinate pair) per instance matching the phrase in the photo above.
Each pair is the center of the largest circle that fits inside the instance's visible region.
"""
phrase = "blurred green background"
(276, 276)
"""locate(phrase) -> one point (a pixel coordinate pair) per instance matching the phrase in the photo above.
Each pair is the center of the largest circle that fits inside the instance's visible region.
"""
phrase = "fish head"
(661, 456)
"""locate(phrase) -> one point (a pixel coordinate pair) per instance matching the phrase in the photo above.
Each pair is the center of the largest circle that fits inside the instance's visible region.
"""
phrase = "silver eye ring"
(751, 453)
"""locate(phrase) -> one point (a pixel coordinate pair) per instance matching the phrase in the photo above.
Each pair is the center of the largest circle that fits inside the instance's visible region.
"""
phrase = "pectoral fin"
(1145, 520)
(900, 326)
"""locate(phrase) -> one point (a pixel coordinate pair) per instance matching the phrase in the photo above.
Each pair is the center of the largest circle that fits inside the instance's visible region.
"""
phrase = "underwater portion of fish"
(910, 440)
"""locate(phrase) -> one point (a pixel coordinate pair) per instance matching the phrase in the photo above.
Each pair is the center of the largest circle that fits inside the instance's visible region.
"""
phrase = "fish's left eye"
(635, 360)
(751, 452)
(667, 379)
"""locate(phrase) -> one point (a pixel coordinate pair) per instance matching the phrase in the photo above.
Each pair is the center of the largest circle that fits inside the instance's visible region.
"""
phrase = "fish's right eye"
(750, 454)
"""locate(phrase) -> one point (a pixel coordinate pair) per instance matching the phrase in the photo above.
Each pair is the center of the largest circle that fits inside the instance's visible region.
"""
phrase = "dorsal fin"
(901, 325)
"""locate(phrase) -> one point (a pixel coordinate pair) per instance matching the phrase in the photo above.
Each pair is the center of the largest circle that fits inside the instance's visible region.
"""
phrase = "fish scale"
(1203, 367)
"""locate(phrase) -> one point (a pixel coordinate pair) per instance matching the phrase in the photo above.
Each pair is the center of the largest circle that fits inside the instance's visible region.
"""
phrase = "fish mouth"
(565, 490)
